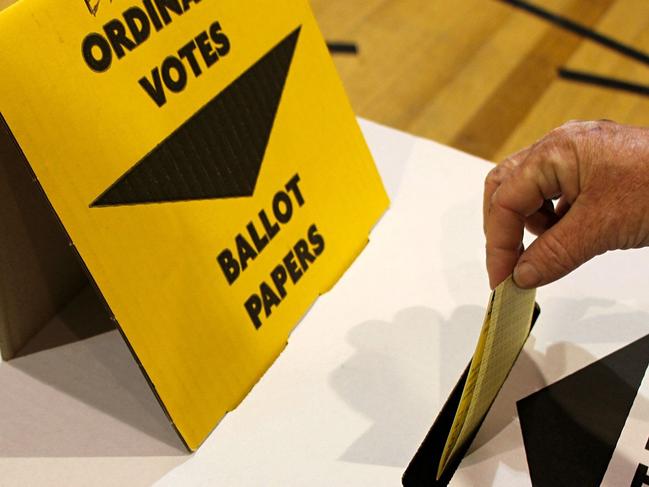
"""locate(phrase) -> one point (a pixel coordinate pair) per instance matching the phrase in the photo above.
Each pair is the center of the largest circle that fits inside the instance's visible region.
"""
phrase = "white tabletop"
(363, 376)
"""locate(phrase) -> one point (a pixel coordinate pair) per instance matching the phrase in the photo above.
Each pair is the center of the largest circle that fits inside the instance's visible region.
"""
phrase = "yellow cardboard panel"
(147, 125)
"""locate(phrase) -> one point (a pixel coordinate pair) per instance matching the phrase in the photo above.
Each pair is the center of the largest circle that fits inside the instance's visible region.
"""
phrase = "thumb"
(560, 250)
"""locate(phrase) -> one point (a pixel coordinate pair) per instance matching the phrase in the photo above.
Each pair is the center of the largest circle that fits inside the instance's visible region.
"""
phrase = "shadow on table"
(400, 375)
(76, 391)
(402, 372)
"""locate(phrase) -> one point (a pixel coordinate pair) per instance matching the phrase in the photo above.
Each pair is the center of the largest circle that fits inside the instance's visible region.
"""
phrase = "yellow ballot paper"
(205, 163)
(506, 327)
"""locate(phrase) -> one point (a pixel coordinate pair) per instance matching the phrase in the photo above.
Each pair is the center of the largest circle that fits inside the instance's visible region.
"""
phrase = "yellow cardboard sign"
(206, 165)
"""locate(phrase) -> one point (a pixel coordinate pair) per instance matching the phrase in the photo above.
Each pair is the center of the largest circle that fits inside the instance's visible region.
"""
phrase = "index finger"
(516, 198)
(496, 177)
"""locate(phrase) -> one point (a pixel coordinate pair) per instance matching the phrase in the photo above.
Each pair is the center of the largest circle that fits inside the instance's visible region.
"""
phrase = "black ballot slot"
(422, 470)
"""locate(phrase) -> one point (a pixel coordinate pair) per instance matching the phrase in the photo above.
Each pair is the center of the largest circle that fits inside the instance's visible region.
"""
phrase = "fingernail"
(526, 275)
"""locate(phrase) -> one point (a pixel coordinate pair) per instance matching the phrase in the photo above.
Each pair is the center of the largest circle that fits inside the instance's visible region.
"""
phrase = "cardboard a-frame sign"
(204, 163)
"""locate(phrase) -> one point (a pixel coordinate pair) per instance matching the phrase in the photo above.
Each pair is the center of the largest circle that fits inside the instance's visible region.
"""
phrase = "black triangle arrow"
(218, 152)
(570, 428)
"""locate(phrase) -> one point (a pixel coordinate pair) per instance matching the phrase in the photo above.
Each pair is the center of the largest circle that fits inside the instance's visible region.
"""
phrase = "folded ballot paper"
(507, 324)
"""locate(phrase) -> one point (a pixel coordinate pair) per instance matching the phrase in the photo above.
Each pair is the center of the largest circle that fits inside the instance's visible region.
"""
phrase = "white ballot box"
(370, 366)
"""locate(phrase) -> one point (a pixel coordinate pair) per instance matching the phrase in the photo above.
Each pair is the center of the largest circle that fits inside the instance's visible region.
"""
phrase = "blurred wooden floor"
(480, 75)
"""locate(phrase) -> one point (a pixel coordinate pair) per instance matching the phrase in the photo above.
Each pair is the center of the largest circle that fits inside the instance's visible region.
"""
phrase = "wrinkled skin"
(598, 175)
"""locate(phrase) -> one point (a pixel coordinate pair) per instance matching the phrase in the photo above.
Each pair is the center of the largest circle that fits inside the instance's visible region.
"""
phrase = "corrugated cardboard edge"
(91, 280)
(39, 272)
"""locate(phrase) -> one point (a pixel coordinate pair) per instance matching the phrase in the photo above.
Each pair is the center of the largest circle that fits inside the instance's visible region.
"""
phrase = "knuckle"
(563, 147)
(495, 176)
(566, 128)
(596, 127)
(571, 124)
(502, 171)
(557, 140)
(509, 164)
(574, 130)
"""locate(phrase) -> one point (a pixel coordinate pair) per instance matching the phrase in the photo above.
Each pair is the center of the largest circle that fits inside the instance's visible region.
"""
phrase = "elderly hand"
(598, 172)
